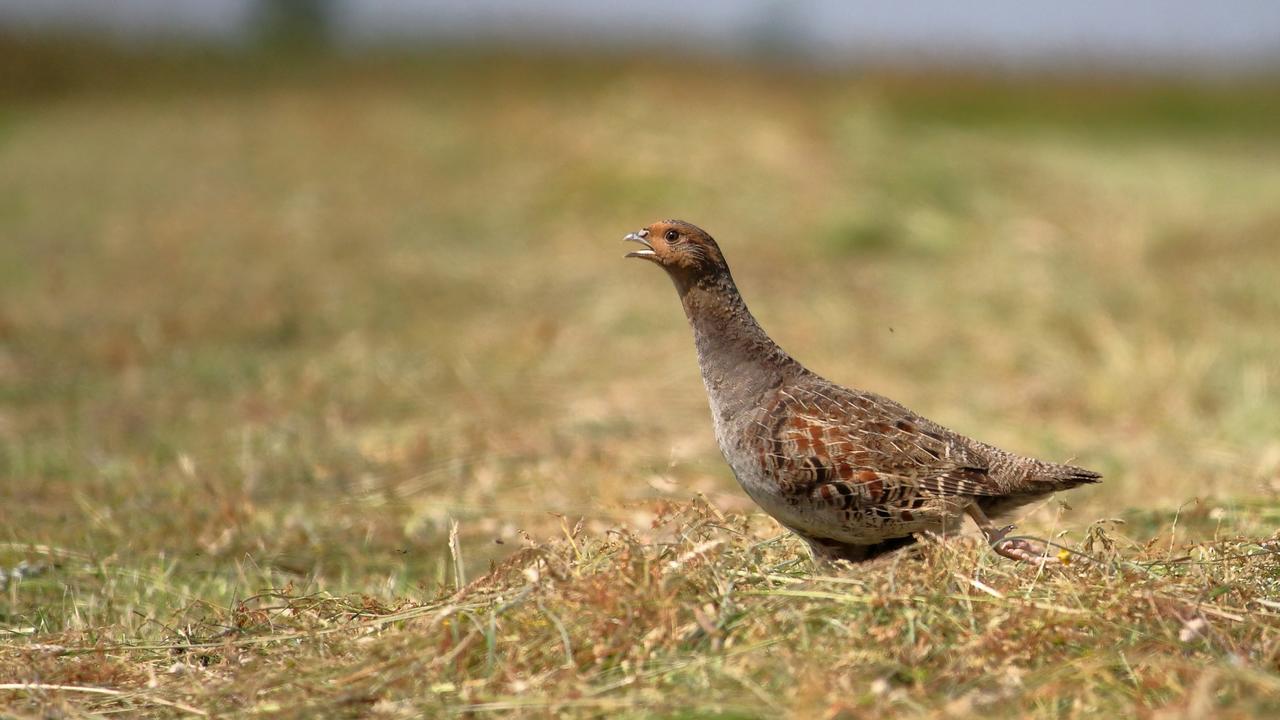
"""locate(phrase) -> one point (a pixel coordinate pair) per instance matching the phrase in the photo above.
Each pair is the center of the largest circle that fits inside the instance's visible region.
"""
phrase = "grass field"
(324, 389)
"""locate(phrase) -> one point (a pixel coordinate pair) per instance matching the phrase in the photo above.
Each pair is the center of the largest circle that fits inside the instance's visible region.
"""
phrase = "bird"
(852, 473)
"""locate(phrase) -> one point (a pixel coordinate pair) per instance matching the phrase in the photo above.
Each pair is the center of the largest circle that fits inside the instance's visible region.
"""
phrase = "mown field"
(325, 390)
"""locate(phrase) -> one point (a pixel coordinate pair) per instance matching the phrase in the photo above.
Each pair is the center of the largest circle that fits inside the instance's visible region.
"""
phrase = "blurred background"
(1228, 36)
(288, 287)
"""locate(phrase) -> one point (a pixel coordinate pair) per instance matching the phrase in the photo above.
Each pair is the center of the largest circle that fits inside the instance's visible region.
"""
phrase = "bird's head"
(684, 250)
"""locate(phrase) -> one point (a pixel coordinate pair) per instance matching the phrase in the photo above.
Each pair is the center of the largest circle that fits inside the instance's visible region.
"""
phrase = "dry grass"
(266, 338)
(708, 615)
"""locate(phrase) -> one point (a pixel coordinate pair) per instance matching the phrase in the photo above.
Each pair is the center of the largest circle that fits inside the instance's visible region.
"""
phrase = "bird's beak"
(641, 237)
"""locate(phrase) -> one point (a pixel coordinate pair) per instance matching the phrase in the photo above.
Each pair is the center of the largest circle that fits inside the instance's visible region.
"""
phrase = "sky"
(1224, 33)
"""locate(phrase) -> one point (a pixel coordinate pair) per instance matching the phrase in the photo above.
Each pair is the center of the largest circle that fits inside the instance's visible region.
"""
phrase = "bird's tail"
(1070, 475)
(1062, 477)
(1047, 479)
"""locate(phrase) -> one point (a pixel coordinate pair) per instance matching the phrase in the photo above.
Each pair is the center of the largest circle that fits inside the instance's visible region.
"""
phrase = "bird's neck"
(739, 361)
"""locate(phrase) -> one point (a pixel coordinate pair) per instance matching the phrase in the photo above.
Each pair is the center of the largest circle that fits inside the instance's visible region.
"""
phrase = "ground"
(324, 388)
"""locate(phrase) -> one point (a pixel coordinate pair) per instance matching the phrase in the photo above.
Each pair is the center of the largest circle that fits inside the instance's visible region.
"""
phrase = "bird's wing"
(850, 447)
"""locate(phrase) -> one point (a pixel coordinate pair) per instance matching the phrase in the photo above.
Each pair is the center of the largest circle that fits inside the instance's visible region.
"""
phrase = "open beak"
(641, 237)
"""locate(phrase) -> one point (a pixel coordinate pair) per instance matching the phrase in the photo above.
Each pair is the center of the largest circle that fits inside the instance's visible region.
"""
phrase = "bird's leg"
(823, 558)
(1020, 550)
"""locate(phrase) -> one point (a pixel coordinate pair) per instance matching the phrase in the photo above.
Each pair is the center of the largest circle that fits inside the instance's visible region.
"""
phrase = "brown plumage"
(853, 473)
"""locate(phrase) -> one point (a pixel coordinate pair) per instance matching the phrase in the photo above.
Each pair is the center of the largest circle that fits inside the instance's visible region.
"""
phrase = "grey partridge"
(855, 474)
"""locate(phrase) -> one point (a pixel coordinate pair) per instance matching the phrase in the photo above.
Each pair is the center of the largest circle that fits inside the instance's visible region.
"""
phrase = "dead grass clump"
(713, 614)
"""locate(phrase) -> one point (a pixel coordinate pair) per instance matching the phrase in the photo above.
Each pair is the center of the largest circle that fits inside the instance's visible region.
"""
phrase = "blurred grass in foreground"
(277, 324)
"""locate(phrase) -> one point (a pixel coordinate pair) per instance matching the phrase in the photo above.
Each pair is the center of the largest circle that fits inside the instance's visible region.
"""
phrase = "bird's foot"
(995, 535)
(1017, 548)
(1020, 550)
(1012, 548)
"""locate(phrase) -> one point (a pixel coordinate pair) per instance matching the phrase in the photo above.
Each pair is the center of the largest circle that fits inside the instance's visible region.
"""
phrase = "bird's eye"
(671, 236)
